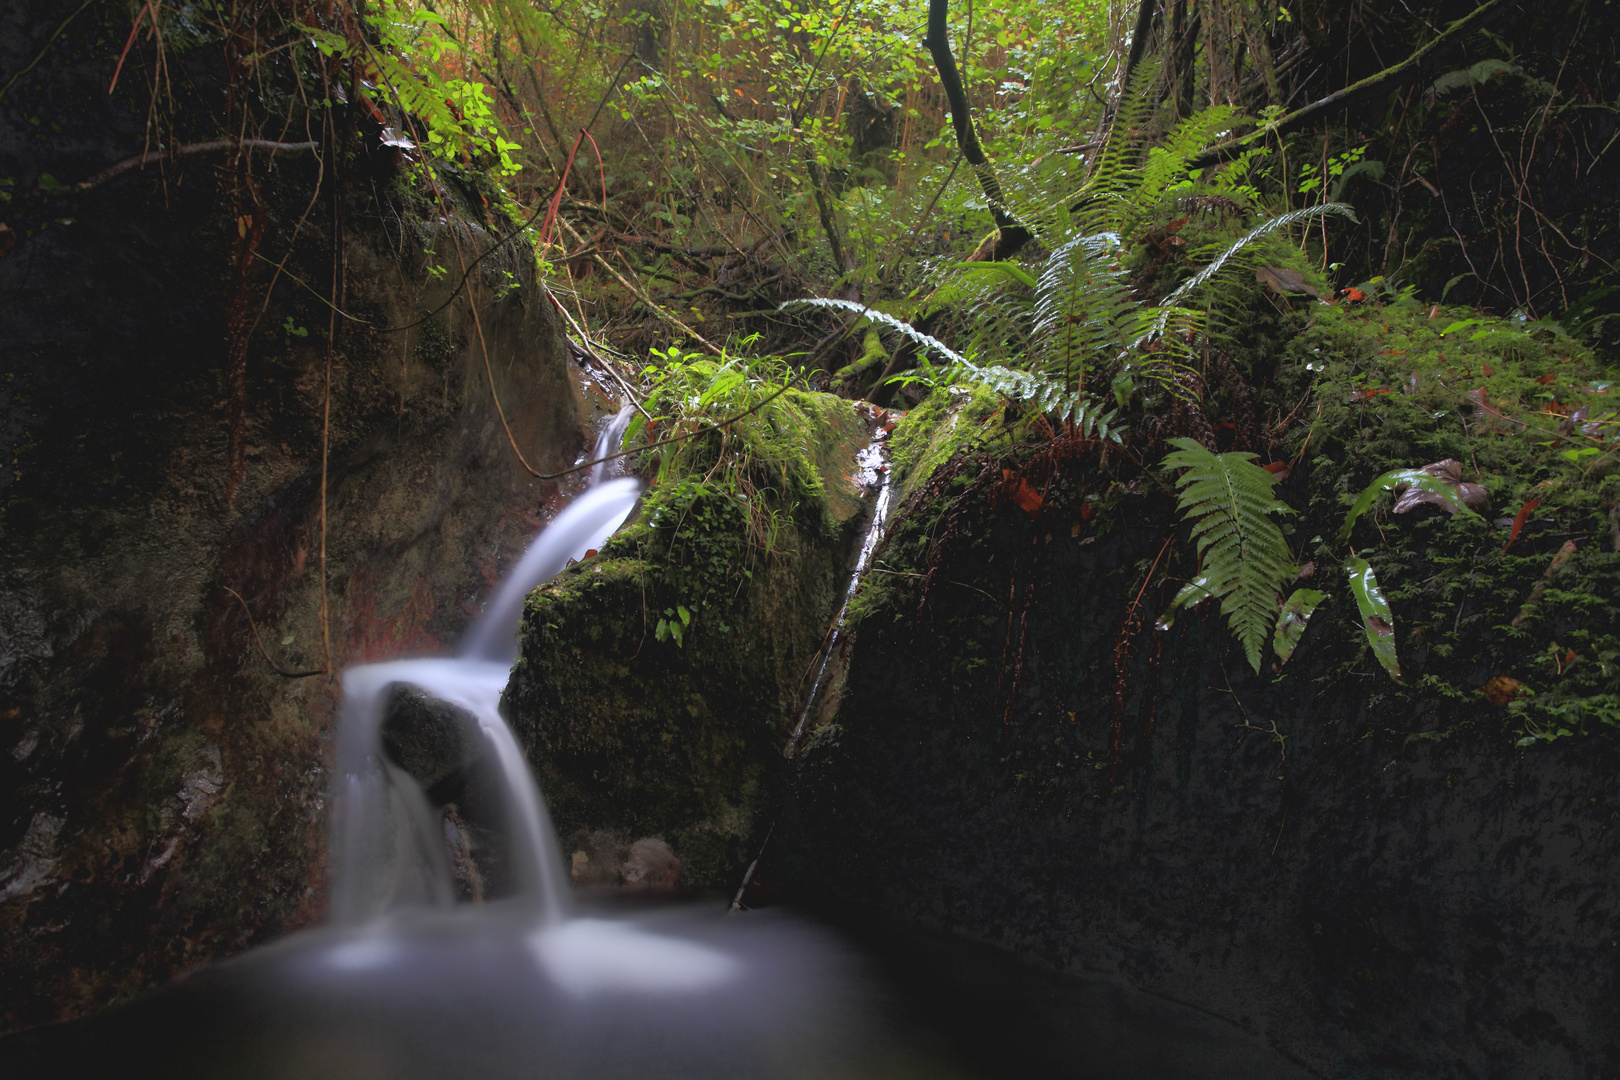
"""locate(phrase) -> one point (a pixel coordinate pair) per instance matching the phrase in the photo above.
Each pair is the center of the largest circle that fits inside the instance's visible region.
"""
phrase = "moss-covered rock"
(655, 679)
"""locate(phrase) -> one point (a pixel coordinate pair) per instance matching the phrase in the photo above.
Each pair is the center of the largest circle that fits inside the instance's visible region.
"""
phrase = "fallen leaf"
(1292, 620)
(1518, 521)
(1022, 492)
(1279, 469)
(1354, 295)
(1488, 374)
(1547, 379)
(1191, 594)
(1568, 424)
(1377, 621)
(1283, 281)
(1460, 495)
(1500, 690)
(590, 553)
(1364, 395)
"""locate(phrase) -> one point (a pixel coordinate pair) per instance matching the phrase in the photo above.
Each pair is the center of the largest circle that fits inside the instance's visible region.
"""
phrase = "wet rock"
(644, 737)
(162, 787)
(597, 859)
(652, 866)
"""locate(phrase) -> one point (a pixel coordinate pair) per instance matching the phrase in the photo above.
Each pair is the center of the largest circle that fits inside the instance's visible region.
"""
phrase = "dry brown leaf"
(1540, 590)
(1500, 690)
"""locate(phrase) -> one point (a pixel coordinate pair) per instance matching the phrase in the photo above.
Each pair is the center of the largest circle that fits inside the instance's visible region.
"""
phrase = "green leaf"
(1193, 593)
(1012, 270)
(1246, 561)
(1291, 621)
(1376, 619)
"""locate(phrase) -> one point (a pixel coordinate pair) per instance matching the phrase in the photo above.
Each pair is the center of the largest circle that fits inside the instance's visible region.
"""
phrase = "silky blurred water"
(408, 984)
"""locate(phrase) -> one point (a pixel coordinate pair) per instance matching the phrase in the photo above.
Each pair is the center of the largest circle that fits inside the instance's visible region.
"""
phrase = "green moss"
(856, 379)
(669, 734)
(1399, 384)
(945, 423)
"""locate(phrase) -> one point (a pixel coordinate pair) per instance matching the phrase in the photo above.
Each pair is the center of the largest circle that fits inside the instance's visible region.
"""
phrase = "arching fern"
(1245, 560)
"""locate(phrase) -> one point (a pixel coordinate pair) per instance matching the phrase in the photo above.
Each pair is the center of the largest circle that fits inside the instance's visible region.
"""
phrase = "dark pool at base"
(437, 996)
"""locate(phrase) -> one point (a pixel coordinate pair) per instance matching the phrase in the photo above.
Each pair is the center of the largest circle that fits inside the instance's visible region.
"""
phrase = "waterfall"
(388, 845)
(872, 468)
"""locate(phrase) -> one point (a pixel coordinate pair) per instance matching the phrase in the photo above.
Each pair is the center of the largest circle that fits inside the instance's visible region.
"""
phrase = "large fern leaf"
(883, 318)
(1265, 228)
(1246, 561)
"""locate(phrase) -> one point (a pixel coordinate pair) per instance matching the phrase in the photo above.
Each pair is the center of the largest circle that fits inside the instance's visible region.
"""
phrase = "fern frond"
(1167, 165)
(1246, 561)
(1104, 204)
(1265, 228)
(906, 329)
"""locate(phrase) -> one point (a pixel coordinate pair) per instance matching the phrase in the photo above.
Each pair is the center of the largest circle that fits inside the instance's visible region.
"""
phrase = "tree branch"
(1413, 68)
(1011, 235)
(182, 153)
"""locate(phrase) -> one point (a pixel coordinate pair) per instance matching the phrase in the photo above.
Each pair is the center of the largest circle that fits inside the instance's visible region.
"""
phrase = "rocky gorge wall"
(1374, 893)
(162, 787)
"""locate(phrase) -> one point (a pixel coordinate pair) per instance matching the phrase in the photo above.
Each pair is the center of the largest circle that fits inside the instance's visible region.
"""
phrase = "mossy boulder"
(656, 678)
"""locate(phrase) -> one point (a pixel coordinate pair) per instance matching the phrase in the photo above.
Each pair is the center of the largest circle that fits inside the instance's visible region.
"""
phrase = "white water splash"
(872, 468)
(387, 842)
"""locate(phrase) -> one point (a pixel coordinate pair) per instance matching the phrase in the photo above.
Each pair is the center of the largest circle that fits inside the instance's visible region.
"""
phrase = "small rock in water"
(652, 866)
(596, 859)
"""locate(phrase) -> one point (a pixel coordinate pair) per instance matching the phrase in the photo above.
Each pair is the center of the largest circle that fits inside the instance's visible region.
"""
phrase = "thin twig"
(63, 25)
(279, 670)
(189, 150)
(736, 901)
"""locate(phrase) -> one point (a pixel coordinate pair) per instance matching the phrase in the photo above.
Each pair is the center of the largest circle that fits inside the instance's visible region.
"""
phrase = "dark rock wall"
(161, 788)
(1374, 897)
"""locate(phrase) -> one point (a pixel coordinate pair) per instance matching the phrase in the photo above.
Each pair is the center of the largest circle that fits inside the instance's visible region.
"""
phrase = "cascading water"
(408, 984)
(872, 468)
(388, 846)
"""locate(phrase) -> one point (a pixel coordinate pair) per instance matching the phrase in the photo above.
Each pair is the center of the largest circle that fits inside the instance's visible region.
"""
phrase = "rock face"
(161, 786)
(633, 736)
(1372, 896)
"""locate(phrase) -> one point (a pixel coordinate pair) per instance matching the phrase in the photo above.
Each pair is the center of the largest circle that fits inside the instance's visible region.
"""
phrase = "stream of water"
(405, 983)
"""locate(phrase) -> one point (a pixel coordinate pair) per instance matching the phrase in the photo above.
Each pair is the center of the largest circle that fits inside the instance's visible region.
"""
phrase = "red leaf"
(1547, 379)
(590, 553)
(1488, 371)
(1279, 469)
(1085, 511)
(1365, 395)
(1028, 499)
(1354, 294)
(1518, 521)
